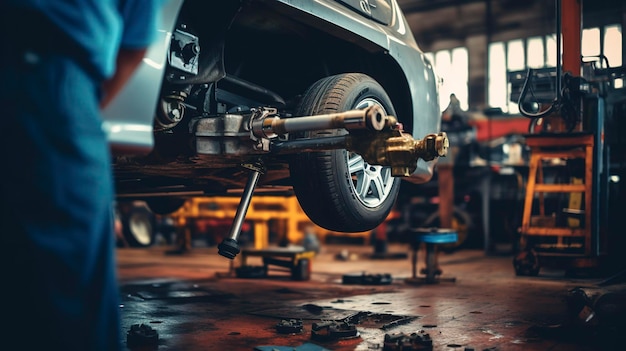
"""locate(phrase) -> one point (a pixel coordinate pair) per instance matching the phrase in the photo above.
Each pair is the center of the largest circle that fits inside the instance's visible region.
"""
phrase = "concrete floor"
(193, 303)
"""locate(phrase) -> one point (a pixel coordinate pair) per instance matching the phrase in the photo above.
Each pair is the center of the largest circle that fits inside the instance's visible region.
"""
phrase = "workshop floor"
(193, 303)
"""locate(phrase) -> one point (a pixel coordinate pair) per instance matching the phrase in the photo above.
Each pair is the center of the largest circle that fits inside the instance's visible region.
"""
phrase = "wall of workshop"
(447, 24)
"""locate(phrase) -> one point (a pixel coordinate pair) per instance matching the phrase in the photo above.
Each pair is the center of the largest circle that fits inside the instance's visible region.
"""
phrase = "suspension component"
(392, 148)
(265, 124)
(229, 247)
(377, 137)
(170, 111)
(398, 149)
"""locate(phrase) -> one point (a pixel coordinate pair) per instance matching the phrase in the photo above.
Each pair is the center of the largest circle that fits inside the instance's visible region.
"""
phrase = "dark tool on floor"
(408, 342)
(366, 279)
(296, 259)
(142, 336)
(397, 322)
(431, 237)
(289, 326)
(304, 347)
(251, 272)
(333, 330)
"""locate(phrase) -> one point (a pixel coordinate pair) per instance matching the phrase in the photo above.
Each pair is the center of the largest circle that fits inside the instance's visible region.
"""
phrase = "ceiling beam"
(416, 6)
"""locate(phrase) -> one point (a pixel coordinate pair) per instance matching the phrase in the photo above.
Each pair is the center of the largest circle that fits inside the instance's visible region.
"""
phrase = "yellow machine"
(264, 211)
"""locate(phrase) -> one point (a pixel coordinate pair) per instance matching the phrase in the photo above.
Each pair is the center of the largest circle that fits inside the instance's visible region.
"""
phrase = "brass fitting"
(398, 149)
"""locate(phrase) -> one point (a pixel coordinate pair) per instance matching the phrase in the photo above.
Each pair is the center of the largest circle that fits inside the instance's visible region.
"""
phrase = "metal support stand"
(229, 247)
(546, 236)
(431, 237)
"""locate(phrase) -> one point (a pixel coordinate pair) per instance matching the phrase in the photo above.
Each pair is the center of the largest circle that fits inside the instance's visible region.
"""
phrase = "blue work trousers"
(58, 273)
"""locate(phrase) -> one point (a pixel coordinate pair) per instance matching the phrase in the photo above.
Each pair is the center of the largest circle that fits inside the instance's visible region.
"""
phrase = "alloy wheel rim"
(372, 183)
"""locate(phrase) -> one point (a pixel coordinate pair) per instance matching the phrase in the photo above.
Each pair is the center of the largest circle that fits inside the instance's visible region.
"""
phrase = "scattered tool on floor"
(408, 342)
(296, 259)
(366, 279)
(304, 347)
(333, 330)
(142, 336)
(289, 326)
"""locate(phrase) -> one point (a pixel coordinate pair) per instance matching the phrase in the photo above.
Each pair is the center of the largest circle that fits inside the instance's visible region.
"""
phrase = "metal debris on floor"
(595, 318)
(141, 336)
(333, 330)
(303, 347)
(291, 326)
(408, 342)
(195, 310)
(366, 279)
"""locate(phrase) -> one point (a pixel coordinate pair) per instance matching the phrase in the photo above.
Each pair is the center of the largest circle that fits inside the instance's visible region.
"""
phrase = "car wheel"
(165, 205)
(138, 227)
(526, 263)
(337, 189)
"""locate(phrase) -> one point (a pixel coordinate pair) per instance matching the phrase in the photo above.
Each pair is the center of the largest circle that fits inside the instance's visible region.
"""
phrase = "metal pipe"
(372, 118)
(229, 247)
(242, 209)
(310, 145)
(244, 86)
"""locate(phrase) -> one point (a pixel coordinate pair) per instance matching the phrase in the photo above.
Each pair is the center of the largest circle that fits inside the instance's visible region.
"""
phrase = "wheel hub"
(372, 183)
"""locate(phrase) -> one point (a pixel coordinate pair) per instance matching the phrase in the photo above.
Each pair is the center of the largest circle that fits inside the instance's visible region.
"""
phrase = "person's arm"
(127, 61)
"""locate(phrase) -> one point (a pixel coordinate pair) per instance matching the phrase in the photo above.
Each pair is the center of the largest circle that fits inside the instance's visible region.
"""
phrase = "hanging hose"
(557, 91)
(522, 97)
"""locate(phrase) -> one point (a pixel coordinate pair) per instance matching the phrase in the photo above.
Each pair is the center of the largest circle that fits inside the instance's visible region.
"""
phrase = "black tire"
(302, 270)
(324, 183)
(165, 205)
(138, 226)
(526, 263)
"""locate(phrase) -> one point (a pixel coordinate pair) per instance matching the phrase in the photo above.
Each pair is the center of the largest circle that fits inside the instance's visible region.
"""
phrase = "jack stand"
(431, 237)
(229, 247)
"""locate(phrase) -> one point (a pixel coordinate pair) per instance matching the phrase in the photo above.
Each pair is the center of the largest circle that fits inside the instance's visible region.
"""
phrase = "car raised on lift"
(223, 103)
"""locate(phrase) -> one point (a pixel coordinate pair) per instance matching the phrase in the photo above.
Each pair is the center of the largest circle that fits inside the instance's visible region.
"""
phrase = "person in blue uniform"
(61, 62)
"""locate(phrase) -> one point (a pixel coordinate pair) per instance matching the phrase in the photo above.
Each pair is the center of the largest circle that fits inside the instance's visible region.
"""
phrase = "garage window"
(452, 66)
